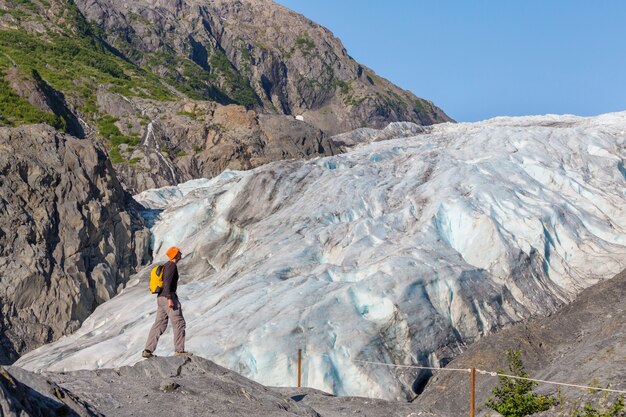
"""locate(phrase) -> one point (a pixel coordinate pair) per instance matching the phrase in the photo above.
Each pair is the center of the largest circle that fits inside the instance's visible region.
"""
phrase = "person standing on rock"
(168, 308)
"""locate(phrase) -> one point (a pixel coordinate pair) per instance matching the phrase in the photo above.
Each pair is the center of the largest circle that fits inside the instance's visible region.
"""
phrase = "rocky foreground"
(171, 386)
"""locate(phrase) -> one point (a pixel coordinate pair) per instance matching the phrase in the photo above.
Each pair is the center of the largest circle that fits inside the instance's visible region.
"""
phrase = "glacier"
(400, 251)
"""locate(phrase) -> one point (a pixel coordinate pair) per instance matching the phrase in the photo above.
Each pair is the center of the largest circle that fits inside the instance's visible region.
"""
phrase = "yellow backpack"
(156, 279)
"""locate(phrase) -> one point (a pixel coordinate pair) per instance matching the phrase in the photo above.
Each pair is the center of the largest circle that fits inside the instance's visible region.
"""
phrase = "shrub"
(344, 87)
(115, 155)
(191, 115)
(305, 44)
(514, 397)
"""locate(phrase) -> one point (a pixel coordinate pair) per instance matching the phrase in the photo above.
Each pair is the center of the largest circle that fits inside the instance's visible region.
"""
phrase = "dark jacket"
(170, 280)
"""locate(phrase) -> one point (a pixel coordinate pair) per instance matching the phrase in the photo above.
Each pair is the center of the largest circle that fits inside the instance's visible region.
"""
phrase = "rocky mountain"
(259, 54)
(70, 236)
(177, 90)
(153, 94)
(188, 139)
(582, 343)
(171, 92)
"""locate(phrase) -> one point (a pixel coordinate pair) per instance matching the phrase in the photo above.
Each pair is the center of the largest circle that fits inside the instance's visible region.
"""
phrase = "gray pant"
(160, 324)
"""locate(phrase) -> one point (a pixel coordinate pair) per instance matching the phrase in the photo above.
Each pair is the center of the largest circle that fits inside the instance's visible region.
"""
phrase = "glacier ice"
(399, 251)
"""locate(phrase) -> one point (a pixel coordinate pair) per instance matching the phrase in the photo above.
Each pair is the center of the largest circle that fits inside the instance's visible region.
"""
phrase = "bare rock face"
(70, 236)
(190, 139)
(330, 406)
(344, 141)
(32, 395)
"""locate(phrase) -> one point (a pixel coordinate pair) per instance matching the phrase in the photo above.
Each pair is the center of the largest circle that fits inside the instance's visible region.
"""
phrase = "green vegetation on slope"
(109, 131)
(514, 397)
(234, 82)
(73, 60)
(75, 66)
(194, 81)
(15, 110)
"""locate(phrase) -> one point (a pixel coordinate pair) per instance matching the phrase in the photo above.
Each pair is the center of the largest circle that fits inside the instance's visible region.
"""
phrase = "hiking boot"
(147, 354)
(183, 353)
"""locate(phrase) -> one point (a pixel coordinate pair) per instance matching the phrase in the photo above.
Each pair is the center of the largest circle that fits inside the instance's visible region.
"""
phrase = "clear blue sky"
(478, 59)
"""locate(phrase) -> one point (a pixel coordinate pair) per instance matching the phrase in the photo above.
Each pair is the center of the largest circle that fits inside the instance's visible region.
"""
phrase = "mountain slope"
(400, 251)
(155, 81)
(258, 53)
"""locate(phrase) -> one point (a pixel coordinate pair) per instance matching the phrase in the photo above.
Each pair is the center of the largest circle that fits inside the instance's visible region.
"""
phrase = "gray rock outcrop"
(32, 395)
(70, 236)
(330, 406)
(345, 141)
(195, 387)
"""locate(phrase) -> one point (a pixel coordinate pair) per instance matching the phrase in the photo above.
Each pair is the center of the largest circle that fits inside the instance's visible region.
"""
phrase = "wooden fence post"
(299, 368)
(472, 385)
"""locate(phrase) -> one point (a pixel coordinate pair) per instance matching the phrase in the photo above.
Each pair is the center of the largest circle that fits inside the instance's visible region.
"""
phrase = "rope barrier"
(489, 373)
(482, 372)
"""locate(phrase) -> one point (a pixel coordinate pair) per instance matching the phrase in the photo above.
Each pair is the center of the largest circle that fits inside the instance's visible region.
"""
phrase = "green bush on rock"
(514, 397)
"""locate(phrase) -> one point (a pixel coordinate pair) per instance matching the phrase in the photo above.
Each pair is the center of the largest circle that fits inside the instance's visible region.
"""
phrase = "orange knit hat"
(172, 252)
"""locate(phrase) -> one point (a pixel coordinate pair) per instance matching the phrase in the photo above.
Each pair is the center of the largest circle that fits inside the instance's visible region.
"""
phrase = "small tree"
(514, 397)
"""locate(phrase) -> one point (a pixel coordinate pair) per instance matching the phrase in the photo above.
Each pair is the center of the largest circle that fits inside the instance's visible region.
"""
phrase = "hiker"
(168, 307)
